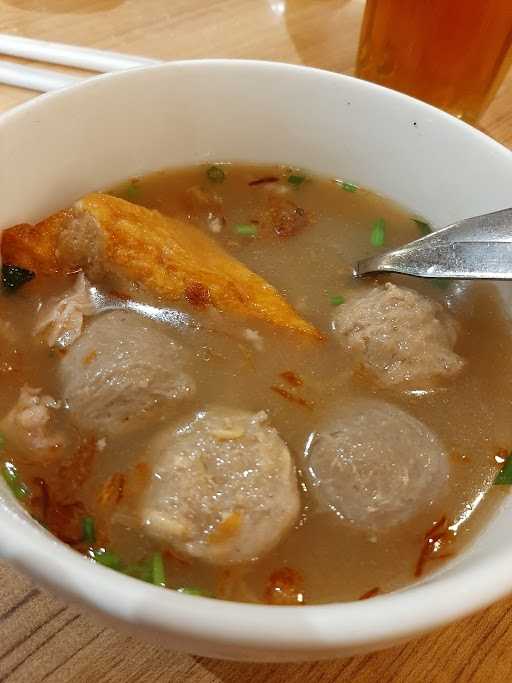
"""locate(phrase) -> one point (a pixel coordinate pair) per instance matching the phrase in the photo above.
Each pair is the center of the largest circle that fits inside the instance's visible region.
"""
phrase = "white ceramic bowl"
(60, 146)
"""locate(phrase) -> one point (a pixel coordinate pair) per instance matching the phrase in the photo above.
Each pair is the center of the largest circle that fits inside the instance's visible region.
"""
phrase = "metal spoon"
(474, 248)
(168, 316)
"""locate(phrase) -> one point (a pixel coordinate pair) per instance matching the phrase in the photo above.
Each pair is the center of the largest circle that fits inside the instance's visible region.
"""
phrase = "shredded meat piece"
(62, 320)
(285, 587)
(29, 424)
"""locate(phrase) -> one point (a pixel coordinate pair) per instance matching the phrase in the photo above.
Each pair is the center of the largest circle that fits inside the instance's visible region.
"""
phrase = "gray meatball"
(401, 336)
(224, 488)
(122, 372)
(375, 465)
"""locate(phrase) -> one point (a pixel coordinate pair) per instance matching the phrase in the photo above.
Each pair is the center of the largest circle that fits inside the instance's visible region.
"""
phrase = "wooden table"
(41, 638)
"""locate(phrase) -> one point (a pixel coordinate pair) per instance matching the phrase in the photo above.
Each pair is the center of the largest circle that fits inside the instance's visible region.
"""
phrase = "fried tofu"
(34, 247)
(114, 240)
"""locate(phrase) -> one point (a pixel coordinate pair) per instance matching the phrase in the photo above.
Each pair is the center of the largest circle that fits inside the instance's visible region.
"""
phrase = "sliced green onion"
(378, 232)
(2, 441)
(106, 557)
(191, 591)
(158, 567)
(88, 531)
(296, 180)
(337, 300)
(131, 190)
(423, 226)
(504, 476)
(13, 480)
(142, 571)
(215, 174)
(14, 276)
(246, 229)
(345, 185)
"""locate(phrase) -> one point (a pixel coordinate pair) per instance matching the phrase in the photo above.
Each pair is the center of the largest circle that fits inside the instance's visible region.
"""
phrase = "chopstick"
(42, 80)
(70, 55)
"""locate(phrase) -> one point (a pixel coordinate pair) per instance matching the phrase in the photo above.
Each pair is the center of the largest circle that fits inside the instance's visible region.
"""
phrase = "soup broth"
(303, 235)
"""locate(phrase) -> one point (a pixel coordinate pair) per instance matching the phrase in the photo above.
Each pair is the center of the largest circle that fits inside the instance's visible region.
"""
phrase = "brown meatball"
(375, 465)
(401, 336)
(122, 372)
(224, 488)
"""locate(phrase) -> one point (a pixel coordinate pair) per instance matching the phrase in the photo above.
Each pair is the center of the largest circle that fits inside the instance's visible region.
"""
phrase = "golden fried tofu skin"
(114, 240)
(168, 257)
(34, 247)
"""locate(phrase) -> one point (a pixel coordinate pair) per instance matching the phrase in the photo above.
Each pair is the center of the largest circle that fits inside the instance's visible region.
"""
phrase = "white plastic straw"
(70, 55)
(31, 78)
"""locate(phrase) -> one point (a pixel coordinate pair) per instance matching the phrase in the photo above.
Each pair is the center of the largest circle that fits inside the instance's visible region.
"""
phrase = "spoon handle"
(168, 316)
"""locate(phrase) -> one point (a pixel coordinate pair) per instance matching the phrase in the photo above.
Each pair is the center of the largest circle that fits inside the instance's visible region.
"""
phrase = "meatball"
(375, 465)
(122, 372)
(224, 488)
(401, 336)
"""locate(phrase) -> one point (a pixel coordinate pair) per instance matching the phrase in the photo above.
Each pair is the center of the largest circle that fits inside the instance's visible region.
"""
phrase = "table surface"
(41, 638)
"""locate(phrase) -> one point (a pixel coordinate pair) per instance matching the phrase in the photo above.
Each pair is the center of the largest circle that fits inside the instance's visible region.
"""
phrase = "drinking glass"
(451, 53)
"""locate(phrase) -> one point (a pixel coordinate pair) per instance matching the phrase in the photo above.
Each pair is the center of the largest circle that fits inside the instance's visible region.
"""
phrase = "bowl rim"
(324, 628)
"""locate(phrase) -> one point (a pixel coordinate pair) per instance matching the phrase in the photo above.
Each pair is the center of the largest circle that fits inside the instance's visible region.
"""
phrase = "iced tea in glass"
(451, 53)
